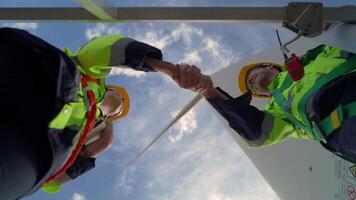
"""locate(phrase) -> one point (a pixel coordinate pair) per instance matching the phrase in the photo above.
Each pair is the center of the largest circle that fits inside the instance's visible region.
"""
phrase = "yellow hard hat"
(126, 101)
(245, 70)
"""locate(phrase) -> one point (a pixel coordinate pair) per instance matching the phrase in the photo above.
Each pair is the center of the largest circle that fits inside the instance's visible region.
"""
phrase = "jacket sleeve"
(80, 166)
(100, 54)
(256, 127)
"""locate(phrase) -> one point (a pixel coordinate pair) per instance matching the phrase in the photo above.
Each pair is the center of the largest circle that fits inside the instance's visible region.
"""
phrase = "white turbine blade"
(184, 110)
(100, 8)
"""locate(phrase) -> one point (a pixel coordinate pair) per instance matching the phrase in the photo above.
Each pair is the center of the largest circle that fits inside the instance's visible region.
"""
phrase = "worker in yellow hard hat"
(320, 105)
(70, 107)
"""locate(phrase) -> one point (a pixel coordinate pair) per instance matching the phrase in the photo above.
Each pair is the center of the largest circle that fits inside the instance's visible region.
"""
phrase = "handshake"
(187, 77)
(190, 77)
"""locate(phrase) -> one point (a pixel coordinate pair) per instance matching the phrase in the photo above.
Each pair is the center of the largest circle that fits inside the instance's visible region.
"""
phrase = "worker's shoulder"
(108, 37)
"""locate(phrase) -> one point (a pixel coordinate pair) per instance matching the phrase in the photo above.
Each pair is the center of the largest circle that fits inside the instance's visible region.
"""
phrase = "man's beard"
(264, 82)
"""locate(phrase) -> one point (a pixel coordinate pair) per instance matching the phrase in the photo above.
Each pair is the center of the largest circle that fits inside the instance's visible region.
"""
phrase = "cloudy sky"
(197, 159)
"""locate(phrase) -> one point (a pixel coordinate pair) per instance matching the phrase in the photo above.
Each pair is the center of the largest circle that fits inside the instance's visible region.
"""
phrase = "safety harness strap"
(287, 82)
(335, 116)
(278, 95)
(319, 132)
(285, 106)
(89, 98)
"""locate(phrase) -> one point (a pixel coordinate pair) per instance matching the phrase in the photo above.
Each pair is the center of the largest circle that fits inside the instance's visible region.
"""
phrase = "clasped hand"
(190, 77)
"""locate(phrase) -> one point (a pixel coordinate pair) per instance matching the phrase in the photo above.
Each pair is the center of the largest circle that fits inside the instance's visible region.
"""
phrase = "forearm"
(160, 65)
(102, 143)
(81, 165)
(214, 94)
(245, 119)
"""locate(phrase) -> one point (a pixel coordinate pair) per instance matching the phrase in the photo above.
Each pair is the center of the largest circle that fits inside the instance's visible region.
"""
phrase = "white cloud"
(125, 181)
(156, 38)
(185, 125)
(100, 29)
(192, 57)
(127, 72)
(77, 196)
(220, 55)
(186, 32)
(21, 25)
(211, 45)
(217, 196)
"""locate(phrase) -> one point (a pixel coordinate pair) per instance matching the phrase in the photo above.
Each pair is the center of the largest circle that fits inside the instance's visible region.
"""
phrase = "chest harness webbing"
(90, 103)
(330, 123)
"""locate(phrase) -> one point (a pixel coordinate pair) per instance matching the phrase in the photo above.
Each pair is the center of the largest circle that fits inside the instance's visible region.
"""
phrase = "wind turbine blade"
(184, 110)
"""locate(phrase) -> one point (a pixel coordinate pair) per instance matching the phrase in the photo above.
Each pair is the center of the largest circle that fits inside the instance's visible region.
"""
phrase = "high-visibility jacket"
(94, 59)
(286, 115)
(288, 106)
(75, 116)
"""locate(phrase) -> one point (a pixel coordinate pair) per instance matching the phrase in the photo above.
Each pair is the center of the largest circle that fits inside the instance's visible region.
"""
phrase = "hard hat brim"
(126, 101)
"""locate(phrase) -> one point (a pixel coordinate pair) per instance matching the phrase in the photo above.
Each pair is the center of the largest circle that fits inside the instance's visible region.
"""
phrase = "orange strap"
(89, 98)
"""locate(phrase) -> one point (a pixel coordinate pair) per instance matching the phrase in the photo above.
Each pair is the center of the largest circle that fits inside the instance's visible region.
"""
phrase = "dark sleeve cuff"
(245, 119)
(137, 51)
(80, 166)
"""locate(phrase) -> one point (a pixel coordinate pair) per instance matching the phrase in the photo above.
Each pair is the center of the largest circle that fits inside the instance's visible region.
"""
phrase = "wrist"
(213, 94)
(209, 93)
(160, 65)
(84, 152)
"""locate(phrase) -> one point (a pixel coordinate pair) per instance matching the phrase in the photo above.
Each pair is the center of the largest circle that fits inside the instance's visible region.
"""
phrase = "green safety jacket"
(94, 59)
(288, 113)
(288, 107)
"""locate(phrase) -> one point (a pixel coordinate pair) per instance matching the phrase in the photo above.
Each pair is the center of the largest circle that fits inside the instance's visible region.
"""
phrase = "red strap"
(89, 79)
(90, 123)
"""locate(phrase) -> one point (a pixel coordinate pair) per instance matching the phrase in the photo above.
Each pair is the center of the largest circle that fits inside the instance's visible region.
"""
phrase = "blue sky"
(197, 159)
